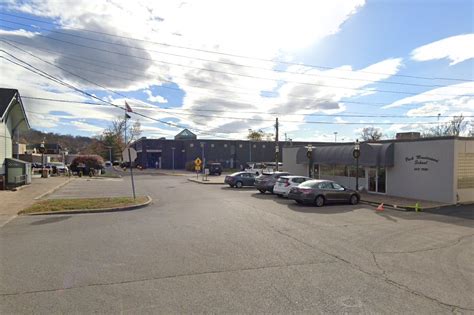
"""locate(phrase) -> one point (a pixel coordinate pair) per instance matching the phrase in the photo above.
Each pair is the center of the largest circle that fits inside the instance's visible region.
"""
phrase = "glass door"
(372, 179)
(381, 180)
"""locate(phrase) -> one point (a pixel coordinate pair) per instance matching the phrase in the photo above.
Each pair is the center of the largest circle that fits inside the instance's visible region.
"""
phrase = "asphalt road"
(205, 248)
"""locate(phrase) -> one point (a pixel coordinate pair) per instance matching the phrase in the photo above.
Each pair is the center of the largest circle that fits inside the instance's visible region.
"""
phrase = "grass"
(82, 204)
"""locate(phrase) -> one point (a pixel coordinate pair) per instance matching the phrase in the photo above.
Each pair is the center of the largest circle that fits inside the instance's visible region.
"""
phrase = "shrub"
(189, 166)
(89, 161)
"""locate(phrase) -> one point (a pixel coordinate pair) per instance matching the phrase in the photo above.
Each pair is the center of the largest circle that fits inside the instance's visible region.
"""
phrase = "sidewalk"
(399, 202)
(14, 201)
(211, 180)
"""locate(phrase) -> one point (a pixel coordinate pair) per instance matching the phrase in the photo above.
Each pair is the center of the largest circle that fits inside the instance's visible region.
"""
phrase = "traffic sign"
(197, 162)
(197, 168)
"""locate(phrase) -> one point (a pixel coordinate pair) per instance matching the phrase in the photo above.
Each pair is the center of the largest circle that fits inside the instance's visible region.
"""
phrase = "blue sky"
(341, 60)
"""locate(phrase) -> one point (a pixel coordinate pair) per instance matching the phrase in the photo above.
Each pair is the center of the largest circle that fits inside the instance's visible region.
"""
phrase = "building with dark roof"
(186, 147)
(13, 121)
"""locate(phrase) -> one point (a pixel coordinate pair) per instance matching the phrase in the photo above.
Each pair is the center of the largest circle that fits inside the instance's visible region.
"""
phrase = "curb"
(203, 182)
(102, 210)
(53, 189)
(400, 208)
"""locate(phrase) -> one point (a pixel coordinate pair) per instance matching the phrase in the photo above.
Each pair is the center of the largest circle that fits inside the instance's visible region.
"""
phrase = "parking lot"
(212, 248)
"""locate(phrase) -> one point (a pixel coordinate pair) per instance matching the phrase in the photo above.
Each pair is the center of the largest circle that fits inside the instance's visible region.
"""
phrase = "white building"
(13, 121)
(434, 169)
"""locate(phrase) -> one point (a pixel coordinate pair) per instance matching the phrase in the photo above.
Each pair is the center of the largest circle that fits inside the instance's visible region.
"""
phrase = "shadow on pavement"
(246, 188)
(50, 220)
(306, 208)
(457, 215)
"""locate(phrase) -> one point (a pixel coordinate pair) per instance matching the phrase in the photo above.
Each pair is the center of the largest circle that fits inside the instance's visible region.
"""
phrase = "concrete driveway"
(205, 248)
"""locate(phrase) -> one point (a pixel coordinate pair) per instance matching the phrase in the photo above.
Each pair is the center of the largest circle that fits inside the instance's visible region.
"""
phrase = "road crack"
(382, 276)
(454, 243)
(164, 278)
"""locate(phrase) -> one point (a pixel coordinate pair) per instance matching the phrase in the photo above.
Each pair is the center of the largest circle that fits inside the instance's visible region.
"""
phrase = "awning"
(371, 154)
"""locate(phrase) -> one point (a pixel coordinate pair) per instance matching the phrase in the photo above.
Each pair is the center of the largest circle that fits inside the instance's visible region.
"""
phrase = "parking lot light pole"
(356, 155)
(309, 155)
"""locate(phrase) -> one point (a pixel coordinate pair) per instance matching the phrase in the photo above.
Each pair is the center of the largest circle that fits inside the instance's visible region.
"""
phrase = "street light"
(309, 155)
(335, 136)
(42, 149)
(172, 154)
(356, 155)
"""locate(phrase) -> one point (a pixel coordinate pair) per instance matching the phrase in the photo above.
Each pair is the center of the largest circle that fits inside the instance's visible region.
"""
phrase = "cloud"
(80, 125)
(155, 99)
(461, 91)
(290, 27)
(456, 48)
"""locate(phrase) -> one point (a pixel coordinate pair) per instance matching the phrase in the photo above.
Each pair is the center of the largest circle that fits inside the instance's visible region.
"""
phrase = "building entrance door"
(376, 179)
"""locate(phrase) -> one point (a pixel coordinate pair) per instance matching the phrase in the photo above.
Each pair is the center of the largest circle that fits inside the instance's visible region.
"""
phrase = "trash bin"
(45, 173)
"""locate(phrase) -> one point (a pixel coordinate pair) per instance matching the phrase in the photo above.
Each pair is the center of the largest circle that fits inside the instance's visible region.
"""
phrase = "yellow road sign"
(197, 168)
(197, 162)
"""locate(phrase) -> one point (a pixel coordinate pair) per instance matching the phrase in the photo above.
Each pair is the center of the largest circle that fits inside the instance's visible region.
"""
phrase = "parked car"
(265, 182)
(285, 183)
(240, 179)
(116, 163)
(59, 167)
(108, 164)
(214, 168)
(320, 192)
(257, 168)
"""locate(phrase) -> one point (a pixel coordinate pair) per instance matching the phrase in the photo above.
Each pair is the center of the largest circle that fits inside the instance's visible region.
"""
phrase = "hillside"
(74, 144)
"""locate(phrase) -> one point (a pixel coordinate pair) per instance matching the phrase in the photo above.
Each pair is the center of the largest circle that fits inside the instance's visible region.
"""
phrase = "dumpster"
(18, 173)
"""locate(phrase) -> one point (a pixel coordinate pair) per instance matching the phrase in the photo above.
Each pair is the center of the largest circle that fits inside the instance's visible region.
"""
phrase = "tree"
(455, 127)
(259, 135)
(112, 138)
(371, 134)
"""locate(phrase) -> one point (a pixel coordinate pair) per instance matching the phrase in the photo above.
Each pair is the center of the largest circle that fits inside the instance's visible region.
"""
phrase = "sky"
(326, 69)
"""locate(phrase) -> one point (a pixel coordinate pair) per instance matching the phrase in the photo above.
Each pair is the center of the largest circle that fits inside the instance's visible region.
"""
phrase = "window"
(339, 170)
(352, 171)
(326, 170)
(325, 185)
(191, 145)
(337, 186)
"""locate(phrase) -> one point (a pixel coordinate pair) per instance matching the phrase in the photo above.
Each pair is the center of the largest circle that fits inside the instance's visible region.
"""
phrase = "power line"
(231, 54)
(256, 112)
(229, 63)
(97, 64)
(52, 78)
(239, 74)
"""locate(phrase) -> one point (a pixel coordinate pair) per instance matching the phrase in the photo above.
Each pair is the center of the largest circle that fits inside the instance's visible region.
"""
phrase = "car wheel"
(238, 185)
(279, 196)
(261, 191)
(354, 200)
(319, 201)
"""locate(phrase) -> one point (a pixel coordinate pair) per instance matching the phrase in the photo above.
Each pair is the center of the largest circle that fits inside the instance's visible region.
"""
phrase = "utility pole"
(277, 148)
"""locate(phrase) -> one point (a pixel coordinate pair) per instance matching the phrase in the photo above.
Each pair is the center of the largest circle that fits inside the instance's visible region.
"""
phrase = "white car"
(285, 183)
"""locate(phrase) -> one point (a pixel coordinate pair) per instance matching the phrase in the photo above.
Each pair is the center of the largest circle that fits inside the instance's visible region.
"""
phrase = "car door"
(340, 194)
(247, 179)
(328, 191)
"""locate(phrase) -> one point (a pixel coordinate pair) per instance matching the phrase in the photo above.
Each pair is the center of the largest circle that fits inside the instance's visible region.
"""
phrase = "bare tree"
(371, 134)
(113, 137)
(455, 127)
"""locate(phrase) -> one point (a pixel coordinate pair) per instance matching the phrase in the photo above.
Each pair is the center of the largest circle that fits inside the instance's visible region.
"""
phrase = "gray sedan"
(320, 192)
